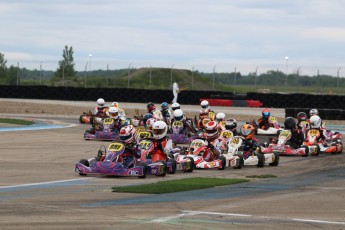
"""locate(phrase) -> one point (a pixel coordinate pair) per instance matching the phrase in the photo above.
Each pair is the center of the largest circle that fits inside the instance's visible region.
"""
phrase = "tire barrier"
(236, 103)
(326, 114)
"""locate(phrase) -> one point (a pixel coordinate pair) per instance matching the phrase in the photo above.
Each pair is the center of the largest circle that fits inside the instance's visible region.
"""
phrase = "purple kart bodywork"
(178, 135)
(110, 166)
(106, 134)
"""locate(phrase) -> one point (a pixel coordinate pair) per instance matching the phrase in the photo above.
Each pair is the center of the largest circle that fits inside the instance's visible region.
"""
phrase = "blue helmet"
(165, 105)
(146, 117)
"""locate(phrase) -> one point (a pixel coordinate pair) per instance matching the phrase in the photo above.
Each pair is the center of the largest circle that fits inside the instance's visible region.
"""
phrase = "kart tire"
(276, 160)
(223, 159)
(306, 150)
(165, 168)
(192, 164)
(173, 161)
(338, 142)
(144, 170)
(261, 160)
(240, 163)
(81, 119)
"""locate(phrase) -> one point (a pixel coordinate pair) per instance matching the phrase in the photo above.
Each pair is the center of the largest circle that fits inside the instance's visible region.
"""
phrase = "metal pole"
(256, 73)
(213, 77)
(85, 75)
(286, 70)
(298, 79)
(338, 79)
(129, 67)
(107, 75)
(63, 74)
(277, 81)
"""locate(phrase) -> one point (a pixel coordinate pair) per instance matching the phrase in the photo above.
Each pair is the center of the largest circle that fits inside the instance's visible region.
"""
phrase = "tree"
(66, 65)
(3, 67)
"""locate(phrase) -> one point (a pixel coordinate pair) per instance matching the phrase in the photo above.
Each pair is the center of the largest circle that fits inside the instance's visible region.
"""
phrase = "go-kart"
(332, 143)
(111, 163)
(105, 134)
(236, 148)
(203, 157)
(271, 130)
(160, 164)
(86, 118)
(283, 148)
(179, 135)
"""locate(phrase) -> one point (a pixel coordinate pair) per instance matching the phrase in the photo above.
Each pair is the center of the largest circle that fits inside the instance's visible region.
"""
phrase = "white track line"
(42, 183)
(194, 213)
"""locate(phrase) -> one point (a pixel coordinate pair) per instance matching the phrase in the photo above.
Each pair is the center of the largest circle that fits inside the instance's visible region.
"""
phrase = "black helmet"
(290, 123)
(301, 116)
(230, 124)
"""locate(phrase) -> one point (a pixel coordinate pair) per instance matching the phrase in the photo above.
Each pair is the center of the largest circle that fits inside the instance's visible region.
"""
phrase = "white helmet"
(211, 129)
(113, 112)
(178, 114)
(115, 104)
(150, 122)
(313, 112)
(220, 116)
(204, 104)
(127, 134)
(159, 130)
(101, 102)
(315, 122)
(175, 106)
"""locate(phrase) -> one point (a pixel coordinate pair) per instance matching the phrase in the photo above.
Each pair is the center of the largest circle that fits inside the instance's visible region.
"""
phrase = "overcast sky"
(218, 35)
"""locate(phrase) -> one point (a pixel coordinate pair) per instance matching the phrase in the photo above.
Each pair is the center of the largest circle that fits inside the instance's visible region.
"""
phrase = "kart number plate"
(115, 146)
(178, 123)
(197, 143)
(226, 134)
(143, 135)
(313, 132)
(145, 144)
(108, 121)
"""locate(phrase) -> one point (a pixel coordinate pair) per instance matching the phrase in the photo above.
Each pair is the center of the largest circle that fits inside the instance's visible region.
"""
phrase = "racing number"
(313, 132)
(145, 144)
(273, 119)
(115, 147)
(197, 144)
(177, 123)
(226, 134)
(143, 135)
(108, 121)
(211, 115)
(284, 133)
(235, 141)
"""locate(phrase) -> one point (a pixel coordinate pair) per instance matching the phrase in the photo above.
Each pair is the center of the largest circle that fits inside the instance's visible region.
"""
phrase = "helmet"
(290, 123)
(175, 106)
(315, 122)
(230, 124)
(127, 134)
(204, 104)
(150, 122)
(159, 130)
(301, 116)
(266, 113)
(150, 107)
(211, 129)
(178, 115)
(220, 116)
(115, 104)
(146, 117)
(165, 105)
(100, 102)
(247, 131)
(313, 112)
(113, 112)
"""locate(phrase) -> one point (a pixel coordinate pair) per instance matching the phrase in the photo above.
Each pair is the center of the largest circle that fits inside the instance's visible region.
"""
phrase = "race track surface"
(40, 190)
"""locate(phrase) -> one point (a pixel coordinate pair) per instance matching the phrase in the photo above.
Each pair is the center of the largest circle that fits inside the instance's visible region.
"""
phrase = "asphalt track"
(40, 190)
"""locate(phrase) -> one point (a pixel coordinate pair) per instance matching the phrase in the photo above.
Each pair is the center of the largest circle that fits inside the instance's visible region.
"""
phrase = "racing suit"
(162, 149)
(187, 126)
(249, 147)
(166, 114)
(296, 140)
(263, 123)
(131, 151)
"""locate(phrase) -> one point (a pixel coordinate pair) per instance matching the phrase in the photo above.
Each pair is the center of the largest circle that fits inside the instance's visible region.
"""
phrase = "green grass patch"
(262, 176)
(185, 184)
(16, 121)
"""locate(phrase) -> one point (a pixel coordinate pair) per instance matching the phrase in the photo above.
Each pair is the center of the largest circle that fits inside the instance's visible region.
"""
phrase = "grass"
(16, 121)
(185, 184)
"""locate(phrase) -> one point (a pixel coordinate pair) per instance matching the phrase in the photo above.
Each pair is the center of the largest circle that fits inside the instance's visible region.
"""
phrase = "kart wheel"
(192, 165)
(81, 119)
(144, 170)
(240, 163)
(173, 166)
(276, 160)
(223, 159)
(261, 158)
(306, 151)
(165, 168)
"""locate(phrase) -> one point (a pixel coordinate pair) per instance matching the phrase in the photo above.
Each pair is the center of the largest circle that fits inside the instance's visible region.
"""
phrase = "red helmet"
(266, 112)
(150, 107)
(127, 134)
(211, 129)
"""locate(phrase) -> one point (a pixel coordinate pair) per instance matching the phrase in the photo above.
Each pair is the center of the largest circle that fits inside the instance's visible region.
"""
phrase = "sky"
(246, 36)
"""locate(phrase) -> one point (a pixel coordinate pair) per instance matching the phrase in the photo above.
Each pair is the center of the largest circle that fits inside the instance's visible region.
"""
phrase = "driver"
(263, 122)
(250, 143)
(119, 121)
(297, 136)
(162, 144)
(179, 116)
